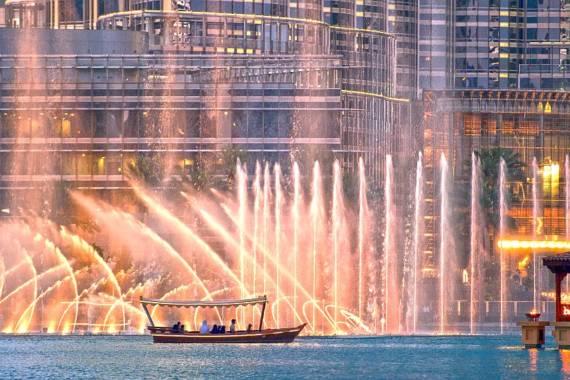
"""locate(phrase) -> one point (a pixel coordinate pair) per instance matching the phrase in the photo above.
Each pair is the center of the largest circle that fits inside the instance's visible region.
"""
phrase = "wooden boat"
(163, 334)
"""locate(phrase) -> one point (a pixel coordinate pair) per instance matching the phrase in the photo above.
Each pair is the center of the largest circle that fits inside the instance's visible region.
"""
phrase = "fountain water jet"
(296, 220)
(475, 258)
(418, 232)
(502, 233)
(446, 248)
(567, 196)
(567, 205)
(336, 226)
(362, 232)
(390, 265)
(278, 212)
(535, 216)
(266, 218)
(258, 194)
(316, 221)
(241, 174)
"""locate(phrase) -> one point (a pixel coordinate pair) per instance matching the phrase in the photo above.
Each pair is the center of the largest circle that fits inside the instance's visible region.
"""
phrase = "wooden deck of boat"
(284, 335)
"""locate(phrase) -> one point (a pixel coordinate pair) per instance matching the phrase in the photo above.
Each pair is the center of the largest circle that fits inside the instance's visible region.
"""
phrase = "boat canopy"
(220, 303)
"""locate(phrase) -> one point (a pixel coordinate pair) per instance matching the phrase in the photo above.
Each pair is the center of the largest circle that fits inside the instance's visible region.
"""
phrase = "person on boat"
(233, 326)
(204, 328)
(222, 329)
(176, 327)
(214, 329)
(181, 329)
(249, 328)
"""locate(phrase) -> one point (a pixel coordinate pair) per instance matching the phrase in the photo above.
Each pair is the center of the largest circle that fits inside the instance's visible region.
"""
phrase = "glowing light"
(554, 245)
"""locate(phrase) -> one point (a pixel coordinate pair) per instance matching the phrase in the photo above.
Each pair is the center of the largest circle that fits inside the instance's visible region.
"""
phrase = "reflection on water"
(532, 359)
(565, 359)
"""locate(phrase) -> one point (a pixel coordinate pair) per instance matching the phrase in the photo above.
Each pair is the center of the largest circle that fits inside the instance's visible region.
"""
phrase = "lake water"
(133, 357)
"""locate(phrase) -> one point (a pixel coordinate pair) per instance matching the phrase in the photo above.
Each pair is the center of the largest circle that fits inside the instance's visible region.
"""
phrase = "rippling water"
(134, 357)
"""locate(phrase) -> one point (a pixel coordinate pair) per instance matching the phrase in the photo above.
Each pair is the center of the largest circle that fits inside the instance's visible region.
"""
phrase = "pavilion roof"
(558, 263)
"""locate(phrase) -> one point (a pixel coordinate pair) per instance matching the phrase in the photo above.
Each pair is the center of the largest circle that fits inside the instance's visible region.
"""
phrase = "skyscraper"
(494, 75)
(272, 78)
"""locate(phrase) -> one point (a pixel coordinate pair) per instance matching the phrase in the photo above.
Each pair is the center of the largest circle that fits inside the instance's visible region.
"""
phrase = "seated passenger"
(223, 329)
(249, 328)
(204, 327)
(175, 327)
(233, 326)
(181, 329)
(214, 329)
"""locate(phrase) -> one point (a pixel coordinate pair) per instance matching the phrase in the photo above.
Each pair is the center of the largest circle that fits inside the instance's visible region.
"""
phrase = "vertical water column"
(567, 196)
(242, 200)
(296, 221)
(256, 211)
(336, 222)
(316, 212)
(502, 234)
(567, 204)
(444, 232)
(266, 220)
(474, 243)
(534, 230)
(418, 231)
(390, 267)
(278, 207)
(362, 214)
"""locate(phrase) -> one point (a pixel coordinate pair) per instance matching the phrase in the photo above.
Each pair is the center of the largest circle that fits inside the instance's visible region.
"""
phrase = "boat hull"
(285, 335)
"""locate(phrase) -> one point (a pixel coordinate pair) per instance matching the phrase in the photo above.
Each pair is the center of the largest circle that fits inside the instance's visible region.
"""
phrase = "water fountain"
(418, 232)
(474, 244)
(535, 216)
(567, 195)
(502, 233)
(390, 263)
(446, 249)
(324, 256)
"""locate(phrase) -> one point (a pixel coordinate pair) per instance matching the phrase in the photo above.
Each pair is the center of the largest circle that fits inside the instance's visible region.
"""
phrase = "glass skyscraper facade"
(190, 79)
(493, 74)
(511, 44)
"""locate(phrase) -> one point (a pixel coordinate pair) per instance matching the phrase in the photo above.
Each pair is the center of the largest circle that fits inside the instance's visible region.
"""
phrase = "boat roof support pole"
(148, 314)
(262, 315)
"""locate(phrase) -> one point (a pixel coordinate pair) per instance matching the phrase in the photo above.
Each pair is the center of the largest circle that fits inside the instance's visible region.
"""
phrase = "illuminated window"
(551, 179)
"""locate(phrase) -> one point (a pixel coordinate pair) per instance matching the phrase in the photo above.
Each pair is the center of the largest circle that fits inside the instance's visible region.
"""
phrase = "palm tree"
(149, 168)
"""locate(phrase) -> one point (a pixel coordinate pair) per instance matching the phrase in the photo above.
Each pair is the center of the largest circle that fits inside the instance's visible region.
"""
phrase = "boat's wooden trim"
(284, 335)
